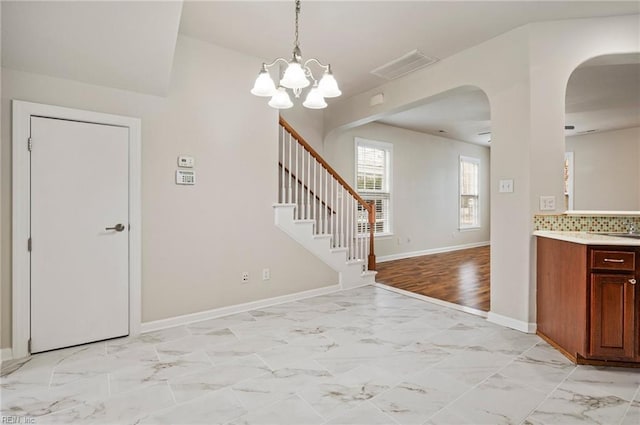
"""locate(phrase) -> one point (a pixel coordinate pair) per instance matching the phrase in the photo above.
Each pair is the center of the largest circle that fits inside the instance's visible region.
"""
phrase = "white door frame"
(21, 206)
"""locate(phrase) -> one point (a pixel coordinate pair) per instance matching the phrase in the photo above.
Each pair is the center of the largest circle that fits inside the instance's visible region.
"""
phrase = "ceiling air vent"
(405, 64)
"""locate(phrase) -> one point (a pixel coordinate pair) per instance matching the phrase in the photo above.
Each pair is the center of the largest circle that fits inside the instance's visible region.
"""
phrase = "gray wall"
(196, 240)
(425, 186)
(606, 170)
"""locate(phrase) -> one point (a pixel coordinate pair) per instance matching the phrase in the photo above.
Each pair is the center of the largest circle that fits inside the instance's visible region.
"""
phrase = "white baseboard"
(233, 309)
(512, 323)
(412, 254)
(5, 354)
(465, 309)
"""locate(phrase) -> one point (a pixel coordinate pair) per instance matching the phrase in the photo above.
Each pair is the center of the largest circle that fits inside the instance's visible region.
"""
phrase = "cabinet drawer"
(613, 260)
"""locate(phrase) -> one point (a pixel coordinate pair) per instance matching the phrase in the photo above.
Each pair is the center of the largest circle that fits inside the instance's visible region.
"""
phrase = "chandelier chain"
(298, 7)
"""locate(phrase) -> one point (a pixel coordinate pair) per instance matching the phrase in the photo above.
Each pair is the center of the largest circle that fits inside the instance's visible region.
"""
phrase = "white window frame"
(476, 225)
(388, 147)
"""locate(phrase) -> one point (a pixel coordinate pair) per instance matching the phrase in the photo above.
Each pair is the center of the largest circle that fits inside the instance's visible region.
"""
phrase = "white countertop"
(587, 238)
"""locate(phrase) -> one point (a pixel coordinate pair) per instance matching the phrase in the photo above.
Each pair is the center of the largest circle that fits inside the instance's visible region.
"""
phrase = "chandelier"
(297, 76)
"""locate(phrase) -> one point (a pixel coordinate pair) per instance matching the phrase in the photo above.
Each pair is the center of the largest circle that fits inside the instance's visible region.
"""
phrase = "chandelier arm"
(275, 61)
(309, 74)
(317, 62)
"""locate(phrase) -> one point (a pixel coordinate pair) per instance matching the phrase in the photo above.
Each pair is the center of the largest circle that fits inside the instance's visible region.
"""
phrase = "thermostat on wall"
(185, 161)
(185, 177)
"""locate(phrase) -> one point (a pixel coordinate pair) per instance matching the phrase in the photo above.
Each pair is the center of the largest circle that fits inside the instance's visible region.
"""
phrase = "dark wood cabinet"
(588, 302)
(613, 321)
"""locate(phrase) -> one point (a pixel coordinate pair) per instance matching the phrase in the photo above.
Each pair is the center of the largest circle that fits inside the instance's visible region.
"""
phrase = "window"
(469, 193)
(373, 183)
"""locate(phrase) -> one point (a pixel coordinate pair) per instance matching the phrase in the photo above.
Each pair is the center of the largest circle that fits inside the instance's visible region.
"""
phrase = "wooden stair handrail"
(322, 162)
(369, 206)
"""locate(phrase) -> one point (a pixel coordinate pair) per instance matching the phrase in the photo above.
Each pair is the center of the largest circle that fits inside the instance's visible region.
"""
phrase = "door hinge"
(29, 144)
(29, 345)
(29, 244)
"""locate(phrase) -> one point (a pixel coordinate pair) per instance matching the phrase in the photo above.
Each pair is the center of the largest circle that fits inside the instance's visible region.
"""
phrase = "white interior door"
(79, 267)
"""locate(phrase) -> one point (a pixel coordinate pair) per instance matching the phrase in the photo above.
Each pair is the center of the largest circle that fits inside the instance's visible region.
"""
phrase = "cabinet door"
(612, 316)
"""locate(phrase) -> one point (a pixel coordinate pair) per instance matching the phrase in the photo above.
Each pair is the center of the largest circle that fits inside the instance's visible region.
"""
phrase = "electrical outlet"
(266, 274)
(547, 203)
(245, 277)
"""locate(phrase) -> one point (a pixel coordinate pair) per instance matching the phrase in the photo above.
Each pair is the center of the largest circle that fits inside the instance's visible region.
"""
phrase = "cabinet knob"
(632, 281)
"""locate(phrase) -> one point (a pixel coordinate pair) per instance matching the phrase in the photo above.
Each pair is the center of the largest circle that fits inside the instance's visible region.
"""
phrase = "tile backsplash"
(580, 223)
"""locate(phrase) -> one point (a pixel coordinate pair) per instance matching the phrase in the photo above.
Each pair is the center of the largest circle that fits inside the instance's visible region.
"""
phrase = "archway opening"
(602, 134)
(437, 241)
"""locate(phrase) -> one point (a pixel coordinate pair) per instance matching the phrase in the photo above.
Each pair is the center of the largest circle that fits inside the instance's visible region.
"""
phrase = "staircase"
(318, 209)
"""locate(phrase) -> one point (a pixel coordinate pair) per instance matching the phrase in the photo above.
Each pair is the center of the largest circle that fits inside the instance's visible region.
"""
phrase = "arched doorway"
(438, 242)
(602, 134)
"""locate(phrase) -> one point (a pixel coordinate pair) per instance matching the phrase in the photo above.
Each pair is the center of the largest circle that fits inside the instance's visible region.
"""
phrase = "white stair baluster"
(295, 183)
(283, 190)
(315, 193)
(308, 184)
(326, 200)
(289, 171)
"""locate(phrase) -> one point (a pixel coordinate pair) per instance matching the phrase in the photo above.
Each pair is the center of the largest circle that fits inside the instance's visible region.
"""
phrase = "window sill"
(469, 229)
(378, 236)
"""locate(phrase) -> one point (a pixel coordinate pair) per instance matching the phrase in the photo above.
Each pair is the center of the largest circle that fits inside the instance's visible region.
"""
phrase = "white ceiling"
(130, 45)
(359, 36)
(126, 45)
(603, 94)
(461, 114)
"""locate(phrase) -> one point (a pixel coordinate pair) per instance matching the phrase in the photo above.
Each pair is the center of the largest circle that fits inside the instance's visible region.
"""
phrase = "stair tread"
(338, 249)
(350, 271)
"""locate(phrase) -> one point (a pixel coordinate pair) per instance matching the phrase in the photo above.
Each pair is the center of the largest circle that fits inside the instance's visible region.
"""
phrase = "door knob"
(632, 281)
(118, 227)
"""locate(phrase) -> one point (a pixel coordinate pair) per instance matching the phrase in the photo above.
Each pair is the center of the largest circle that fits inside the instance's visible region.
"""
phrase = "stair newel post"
(372, 222)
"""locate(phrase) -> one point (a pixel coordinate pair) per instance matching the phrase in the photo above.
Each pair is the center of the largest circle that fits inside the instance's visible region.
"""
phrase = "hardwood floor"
(460, 277)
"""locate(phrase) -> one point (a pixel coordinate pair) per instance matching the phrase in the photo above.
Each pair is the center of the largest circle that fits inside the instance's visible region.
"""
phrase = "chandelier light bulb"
(264, 85)
(328, 85)
(314, 99)
(294, 77)
(281, 100)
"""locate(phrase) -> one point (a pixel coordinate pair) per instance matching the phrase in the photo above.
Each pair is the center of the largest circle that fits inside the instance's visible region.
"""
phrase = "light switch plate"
(506, 186)
(547, 203)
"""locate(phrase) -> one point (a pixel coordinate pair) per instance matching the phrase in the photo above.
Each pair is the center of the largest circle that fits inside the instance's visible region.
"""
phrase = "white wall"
(524, 74)
(309, 123)
(606, 170)
(425, 186)
(196, 240)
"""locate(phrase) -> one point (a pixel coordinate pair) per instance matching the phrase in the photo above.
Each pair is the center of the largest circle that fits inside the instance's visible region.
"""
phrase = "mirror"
(602, 135)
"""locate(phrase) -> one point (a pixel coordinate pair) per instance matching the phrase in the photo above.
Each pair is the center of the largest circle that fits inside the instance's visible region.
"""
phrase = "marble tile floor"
(364, 356)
